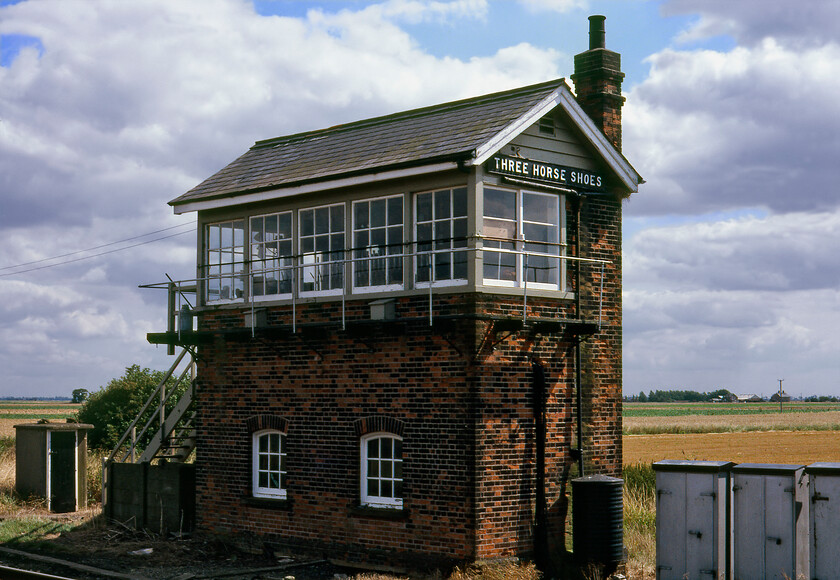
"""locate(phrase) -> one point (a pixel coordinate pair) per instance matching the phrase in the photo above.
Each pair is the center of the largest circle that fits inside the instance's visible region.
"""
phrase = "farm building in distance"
(409, 327)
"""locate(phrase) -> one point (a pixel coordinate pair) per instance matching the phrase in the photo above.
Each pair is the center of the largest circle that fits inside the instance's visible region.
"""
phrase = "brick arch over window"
(378, 423)
(273, 422)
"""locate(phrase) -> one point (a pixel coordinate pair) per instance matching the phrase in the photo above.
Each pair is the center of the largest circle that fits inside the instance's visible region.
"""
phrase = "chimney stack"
(598, 79)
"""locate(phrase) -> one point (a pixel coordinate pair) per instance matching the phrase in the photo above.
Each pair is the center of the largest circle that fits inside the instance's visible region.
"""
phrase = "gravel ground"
(98, 552)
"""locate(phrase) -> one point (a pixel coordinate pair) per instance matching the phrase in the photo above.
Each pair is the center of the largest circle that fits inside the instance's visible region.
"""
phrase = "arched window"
(269, 464)
(381, 470)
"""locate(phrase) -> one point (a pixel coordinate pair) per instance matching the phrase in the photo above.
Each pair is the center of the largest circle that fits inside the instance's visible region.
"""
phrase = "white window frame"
(452, 250)
(311, 259)
(256, 468)
(395, 479)
(284, 262)
(389, 253)
(235, 275)
(520, 242)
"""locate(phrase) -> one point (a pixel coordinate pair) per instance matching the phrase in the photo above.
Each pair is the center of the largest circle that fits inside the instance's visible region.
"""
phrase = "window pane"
(373, 487)
(378, 213)
(385, 446)
(307, 222)
(395, 211)
(459, 202)
(540, 208)
(499, 203)
(360, 215)
(385, 488)
(442, 204)
(337, 217)
(373, 448)
(386, 469)
(424, 207)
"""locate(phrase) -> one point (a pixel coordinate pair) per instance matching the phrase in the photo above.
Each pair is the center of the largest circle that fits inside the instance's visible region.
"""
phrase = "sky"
(110, 109)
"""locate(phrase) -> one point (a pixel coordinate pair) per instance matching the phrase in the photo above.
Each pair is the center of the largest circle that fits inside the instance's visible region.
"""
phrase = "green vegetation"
(717, 409)
(640, 514)
(680, 396)
(30, 529)
(112, 408)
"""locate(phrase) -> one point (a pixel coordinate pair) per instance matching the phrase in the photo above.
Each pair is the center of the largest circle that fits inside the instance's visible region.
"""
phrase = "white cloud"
(554, 5)
(750, 21)
(125, 105)
(753, 127)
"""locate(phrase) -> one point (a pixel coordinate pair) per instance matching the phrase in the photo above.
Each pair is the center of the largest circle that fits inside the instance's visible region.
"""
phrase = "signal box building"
(409, 327)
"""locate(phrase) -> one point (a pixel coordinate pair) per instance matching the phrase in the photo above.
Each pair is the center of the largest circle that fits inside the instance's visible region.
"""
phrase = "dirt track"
(797, 447)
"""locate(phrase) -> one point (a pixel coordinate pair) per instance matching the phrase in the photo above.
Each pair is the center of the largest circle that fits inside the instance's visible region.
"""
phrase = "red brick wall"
(461, 392)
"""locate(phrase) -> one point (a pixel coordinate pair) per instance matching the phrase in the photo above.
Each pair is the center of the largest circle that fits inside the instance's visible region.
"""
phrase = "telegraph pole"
(780, 395)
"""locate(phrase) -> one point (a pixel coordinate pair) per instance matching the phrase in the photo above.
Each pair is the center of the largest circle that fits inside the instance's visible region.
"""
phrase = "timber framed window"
(441, 233)
(321, 239)
(378, 244)
(271, 256)
(225, 261)
(381, 471)
(269, 464)
(523, 238)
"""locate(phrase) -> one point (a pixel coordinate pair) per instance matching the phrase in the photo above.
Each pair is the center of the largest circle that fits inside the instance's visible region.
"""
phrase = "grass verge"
(640, 519)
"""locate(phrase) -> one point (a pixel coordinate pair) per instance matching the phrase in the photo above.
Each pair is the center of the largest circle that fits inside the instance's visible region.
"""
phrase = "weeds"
(640, 518)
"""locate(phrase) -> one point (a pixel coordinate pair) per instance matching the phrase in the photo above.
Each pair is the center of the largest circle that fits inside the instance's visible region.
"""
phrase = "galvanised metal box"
(693, 520)
(770, 509)
(824, 483)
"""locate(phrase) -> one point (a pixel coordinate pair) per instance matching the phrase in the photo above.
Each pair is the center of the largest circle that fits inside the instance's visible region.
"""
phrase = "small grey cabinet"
(824, 483)
(693, 514)
(770, 509)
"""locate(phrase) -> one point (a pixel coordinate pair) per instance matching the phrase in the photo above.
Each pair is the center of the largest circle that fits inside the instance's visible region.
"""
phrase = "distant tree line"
(680, 396)
(36, 398)
(677, 396)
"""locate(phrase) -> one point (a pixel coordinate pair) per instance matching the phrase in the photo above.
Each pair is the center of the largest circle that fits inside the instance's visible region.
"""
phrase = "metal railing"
(329, 281)
(126, 448)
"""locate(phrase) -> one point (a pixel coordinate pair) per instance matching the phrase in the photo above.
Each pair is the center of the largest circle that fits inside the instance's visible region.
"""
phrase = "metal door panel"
(826, 526)
(779, 527)
(62, 471)
(700, 521)
(670, 525)
(749, 527)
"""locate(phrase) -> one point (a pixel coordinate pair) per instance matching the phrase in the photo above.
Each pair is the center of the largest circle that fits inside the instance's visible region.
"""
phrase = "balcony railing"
(434, 264)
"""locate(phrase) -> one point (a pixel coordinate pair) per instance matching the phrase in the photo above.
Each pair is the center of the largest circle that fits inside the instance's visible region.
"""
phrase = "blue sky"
(110, 109)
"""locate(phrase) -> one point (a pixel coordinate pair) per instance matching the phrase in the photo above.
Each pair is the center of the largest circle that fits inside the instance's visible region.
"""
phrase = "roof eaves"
(309, 185)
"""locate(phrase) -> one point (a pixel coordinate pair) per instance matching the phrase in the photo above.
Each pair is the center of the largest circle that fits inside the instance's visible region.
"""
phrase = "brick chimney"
(598, 80)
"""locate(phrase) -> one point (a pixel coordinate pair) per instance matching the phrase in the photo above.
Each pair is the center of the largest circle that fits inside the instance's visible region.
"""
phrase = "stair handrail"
(146, 406)
(161, 416)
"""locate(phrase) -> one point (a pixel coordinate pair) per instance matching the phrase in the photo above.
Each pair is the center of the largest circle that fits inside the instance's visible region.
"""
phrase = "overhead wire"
(64, 262)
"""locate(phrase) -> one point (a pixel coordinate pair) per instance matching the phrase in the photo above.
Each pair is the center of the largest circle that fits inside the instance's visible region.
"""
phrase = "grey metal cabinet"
(693, 514)
(824, 483)
(770, 529)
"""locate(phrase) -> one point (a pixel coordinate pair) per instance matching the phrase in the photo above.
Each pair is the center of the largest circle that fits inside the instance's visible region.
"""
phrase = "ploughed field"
(17, 412)
(801, 433)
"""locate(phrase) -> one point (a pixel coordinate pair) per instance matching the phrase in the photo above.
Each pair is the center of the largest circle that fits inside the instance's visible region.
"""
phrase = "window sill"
(382, 513)
(278, 503)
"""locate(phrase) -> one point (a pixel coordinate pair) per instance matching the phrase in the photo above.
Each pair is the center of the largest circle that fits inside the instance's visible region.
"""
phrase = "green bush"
(112, 408)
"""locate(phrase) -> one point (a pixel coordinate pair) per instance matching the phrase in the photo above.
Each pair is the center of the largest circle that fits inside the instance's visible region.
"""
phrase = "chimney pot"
(597, 32)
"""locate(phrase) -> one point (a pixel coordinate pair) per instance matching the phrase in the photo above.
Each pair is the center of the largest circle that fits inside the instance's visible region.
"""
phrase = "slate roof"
(448, 132)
